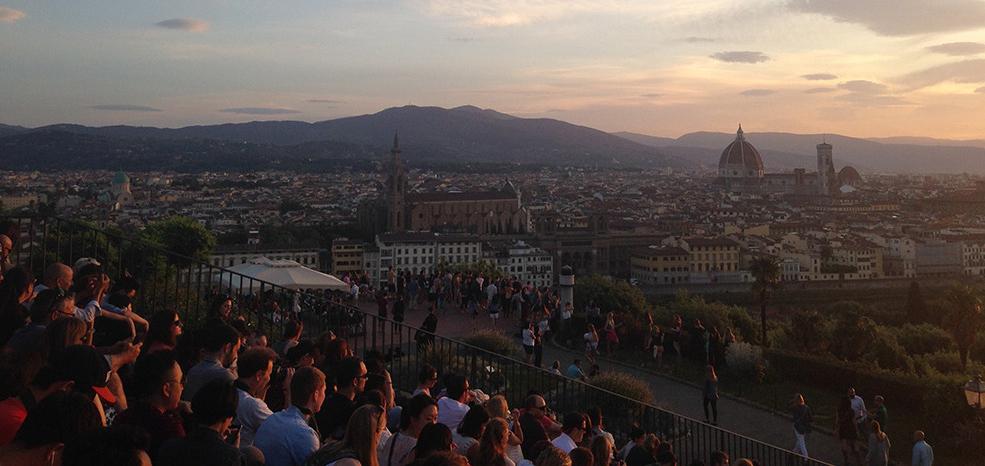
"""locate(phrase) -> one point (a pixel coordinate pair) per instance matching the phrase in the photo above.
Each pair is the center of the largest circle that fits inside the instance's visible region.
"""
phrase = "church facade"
(493, 212)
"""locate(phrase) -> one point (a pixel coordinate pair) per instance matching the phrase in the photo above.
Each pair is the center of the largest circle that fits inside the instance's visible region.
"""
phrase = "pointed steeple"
(396, 144)
(739, 134)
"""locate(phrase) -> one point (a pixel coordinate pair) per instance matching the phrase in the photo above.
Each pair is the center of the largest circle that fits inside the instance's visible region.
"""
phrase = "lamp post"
(973, 392)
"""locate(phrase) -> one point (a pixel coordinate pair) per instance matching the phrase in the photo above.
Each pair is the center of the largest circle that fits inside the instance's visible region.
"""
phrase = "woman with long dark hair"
(847, 431)
(163, 331)
(433, 438)
(16, 289)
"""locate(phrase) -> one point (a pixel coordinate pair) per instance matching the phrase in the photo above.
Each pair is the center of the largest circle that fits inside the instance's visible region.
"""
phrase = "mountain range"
(427, 135)
(434, 135)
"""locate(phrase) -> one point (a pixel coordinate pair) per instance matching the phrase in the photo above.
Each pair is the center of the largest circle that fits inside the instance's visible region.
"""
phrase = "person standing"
(858, 410)
(923, 453)
(847, 431)
(710, 393)
(802, 419)
(879, 412)
(538, 346)
(528, 336)
(286, 437)
(879, 445)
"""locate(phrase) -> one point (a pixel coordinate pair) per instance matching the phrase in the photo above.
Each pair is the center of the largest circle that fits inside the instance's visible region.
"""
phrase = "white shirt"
(250, 413)
(491, 291)
(451, 412)
(626, 449)
(89, 313)
(565, 443)
(462, 442)
(858, 407)
(528, 337)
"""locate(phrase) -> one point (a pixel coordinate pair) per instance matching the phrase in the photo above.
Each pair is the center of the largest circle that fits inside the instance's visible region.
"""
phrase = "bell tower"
(396, 190)
(825, 169)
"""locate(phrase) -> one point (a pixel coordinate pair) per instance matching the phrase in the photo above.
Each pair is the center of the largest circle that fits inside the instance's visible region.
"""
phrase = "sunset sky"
(855, 67)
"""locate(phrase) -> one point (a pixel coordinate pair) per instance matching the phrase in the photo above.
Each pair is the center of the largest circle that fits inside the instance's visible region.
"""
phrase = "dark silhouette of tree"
(965, 317)
(916, 307)
(766, 271)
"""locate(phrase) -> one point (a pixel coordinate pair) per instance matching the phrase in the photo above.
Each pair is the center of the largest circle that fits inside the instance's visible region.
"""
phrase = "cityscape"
(495, 233)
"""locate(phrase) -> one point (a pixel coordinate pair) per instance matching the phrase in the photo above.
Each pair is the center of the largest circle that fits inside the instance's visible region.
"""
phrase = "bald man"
(923, 454)
(56, 276)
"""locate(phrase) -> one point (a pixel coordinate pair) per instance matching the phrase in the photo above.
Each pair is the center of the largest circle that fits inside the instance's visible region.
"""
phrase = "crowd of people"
(87, 380)
(83, 387)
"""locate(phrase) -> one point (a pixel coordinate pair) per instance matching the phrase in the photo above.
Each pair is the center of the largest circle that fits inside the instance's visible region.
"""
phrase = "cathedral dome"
(740, 159)
(848, 176)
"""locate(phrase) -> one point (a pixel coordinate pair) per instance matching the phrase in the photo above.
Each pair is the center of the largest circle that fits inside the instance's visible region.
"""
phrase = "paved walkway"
(668, 393)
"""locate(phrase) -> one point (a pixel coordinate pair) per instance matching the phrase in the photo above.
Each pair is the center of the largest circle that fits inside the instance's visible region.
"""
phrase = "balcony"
(173, 281)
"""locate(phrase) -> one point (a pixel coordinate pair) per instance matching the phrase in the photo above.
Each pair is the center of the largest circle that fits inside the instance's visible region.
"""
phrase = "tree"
(853, 336)
(809, 331)
(916, 307)
(610, 295)
(183, 236)
(965, 318)
(766, 271)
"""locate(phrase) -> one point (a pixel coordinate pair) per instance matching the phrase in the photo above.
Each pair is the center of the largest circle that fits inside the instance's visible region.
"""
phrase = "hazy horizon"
(877, 68)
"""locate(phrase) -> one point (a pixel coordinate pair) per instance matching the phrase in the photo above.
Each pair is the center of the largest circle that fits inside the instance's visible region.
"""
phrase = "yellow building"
(347, 256)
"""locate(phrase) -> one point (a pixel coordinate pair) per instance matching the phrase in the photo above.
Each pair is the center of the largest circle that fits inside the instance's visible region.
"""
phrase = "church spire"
(396, 144)
(739, 134)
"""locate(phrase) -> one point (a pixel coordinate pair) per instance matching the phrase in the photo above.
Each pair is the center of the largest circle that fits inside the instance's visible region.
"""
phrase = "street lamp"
(973, 391)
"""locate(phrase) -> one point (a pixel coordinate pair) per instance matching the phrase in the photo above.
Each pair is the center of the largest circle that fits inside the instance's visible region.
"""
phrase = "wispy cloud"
(325, 101)
(10, 15)
(980, 90)
(958, 48)
(260, 110)
(900, 17)
(757, 92)
(125, 108)
(819, 76)
(967, 71)
(699, 40)
(741, 56)
(184, 24)
(872, 100)
(863, 86)
(820, 90)
(461, 39)
(651, 96)
(509, 13)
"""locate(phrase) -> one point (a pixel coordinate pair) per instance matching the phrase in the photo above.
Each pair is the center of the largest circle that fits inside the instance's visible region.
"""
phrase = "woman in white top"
(358, 446)
(491, 450)
(419, 412)
(498, 408)
(591, 343)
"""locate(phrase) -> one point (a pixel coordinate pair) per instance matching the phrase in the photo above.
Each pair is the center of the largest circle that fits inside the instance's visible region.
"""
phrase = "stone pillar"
(566, 288)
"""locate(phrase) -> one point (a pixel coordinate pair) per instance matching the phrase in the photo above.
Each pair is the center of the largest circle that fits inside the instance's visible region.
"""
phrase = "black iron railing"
(193, 287)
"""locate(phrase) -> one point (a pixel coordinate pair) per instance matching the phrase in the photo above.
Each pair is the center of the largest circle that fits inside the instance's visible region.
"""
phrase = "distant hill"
(427, 134)
(7, 130)
(921, 141)
(782, 151)
(52, 149)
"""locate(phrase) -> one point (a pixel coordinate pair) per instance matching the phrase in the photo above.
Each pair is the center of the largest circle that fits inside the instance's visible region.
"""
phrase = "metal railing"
(194, 287)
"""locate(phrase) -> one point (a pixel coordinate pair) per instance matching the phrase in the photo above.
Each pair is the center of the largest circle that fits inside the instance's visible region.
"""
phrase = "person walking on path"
(923, 454)
(879, 445)
(847, 431)
(710, 395)
(591, 338)
(802, 419)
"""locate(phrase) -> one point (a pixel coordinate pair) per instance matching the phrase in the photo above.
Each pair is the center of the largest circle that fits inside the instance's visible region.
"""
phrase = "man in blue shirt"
(923, 454)
(575, 372)
(286, 438)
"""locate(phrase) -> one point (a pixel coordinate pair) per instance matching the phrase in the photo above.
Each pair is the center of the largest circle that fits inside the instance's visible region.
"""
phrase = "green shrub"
(623, 384)
(945, 362)
(712, 314)
(809, 331)
(887, 352)
(924, 339)
(852, 336)
(745, 362)
(610, 295)
(491, 340)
